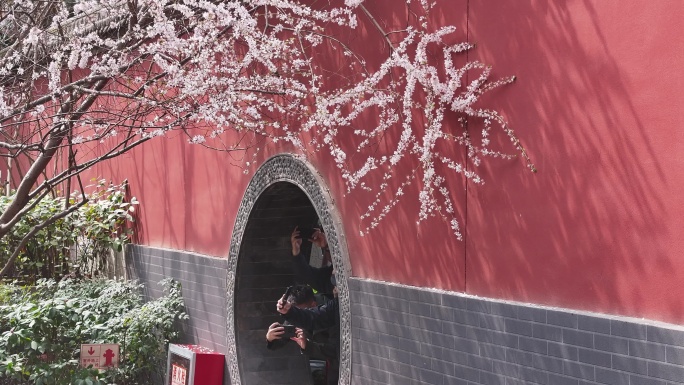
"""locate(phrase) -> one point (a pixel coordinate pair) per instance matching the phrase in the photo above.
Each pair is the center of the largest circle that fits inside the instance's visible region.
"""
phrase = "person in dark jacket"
(301, 297)
(326, 316)
(317, 278)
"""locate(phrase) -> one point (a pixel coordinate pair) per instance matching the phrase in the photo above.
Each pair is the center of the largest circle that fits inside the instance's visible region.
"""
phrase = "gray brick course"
(578, 338)
(466, 373)
(454, 301)
(455, 356)
(426, 323)
(561, 318)
(611, 377)
(547, 332)
(496, 338)
(594, 357)
(533, 345)
(467, 318)
(581, 371)
(665, 371)
(559, 379)
(493, 352)
(674, 355)
(532, 314)
(492, 322)
(628, 329)
(593, 324)
(492, 378)
(518, 327)
(563, 351)
(538, 361)
(445, 367)
(630, 364)
(611, 344)
(648, 350)
(442, 312)
(478, 341)
(639, 380)
(665, 336)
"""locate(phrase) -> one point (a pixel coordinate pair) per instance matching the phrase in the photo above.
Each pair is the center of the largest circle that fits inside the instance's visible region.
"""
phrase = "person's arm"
(322, 317)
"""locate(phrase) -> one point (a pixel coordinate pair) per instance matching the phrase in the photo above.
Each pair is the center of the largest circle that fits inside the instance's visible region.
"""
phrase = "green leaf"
(34, 345)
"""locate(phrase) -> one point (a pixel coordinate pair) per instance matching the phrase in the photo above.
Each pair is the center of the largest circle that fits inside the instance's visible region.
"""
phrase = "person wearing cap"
(326, 316)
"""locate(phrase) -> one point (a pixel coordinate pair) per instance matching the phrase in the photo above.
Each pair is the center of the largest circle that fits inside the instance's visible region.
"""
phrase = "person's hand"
(283, 306)
(318, 239)
(296, 241)
(300, 338)
(275, 331)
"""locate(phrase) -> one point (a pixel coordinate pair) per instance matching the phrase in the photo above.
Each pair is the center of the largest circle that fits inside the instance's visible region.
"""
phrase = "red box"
(194, 365)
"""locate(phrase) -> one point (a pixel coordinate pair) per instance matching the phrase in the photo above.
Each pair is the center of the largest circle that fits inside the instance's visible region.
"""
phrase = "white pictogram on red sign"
(178, 375)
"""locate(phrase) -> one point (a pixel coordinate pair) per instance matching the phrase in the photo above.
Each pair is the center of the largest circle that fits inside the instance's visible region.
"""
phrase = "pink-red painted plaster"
(598, 105)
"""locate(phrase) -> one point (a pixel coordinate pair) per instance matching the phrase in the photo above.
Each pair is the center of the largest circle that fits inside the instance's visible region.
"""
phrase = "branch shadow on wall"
(586, 232)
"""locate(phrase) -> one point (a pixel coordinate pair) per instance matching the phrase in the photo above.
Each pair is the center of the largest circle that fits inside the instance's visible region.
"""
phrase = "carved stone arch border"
(288, 168)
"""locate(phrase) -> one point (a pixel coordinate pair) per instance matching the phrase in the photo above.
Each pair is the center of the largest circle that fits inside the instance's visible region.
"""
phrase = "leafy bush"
(42, 330)
(81, 241)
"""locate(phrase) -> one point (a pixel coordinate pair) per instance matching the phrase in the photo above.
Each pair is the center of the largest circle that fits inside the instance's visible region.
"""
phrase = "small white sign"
(100, 356)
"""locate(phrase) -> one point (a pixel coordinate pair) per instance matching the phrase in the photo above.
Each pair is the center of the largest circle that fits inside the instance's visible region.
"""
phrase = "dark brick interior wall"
(263, 272)
(203, 281)
(406, 335)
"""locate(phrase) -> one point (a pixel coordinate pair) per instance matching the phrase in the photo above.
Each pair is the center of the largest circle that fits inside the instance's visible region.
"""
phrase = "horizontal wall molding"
(411, 335)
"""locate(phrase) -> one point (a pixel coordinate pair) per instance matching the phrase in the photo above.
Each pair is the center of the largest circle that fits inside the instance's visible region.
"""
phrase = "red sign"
(100, 356)
(179, 375)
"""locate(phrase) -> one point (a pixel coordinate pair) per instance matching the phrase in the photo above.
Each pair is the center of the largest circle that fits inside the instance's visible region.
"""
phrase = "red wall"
(598, 105)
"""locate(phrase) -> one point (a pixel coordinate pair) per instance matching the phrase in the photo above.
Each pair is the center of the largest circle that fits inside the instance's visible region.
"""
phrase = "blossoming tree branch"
(86, 81)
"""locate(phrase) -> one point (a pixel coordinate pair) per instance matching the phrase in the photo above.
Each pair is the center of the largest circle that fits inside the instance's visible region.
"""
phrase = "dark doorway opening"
(264, 270)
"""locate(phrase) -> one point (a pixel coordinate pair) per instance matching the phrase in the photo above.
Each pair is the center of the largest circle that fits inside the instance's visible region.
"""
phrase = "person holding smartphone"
(278, 334)
(326, 316)
(317, 278)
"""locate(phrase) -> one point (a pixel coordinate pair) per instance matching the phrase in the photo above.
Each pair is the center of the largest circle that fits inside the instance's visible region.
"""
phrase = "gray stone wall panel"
(409, 335)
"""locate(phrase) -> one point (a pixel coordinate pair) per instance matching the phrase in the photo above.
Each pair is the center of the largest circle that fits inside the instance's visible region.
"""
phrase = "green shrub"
(81, 241)
(42, 330)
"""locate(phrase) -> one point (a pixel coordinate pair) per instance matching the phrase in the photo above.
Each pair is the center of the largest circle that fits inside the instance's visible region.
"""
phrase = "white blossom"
(250, 67)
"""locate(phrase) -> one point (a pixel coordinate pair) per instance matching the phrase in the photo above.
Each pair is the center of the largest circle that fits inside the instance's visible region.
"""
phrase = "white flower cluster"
(414, 103)
(131, 71)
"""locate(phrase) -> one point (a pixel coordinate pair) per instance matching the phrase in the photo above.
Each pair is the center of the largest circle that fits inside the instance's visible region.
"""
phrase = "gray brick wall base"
(203, 281)
(409, 335)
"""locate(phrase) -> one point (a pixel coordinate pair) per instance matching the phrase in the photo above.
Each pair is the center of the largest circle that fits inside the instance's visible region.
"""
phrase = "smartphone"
(306, 232)
(289, 332)
(288, 291)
